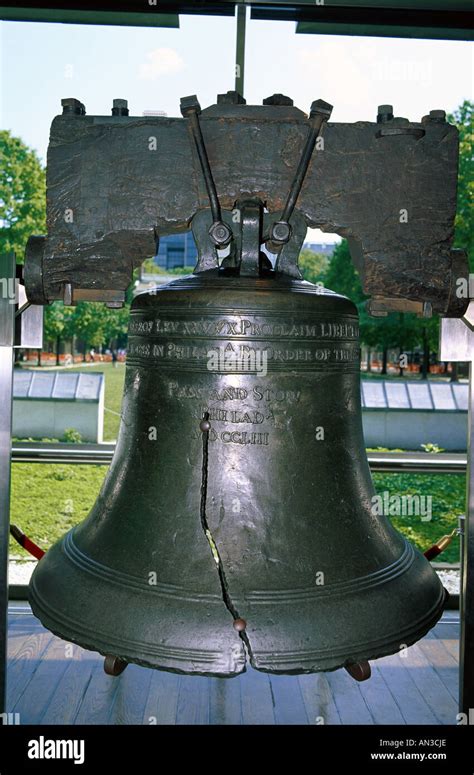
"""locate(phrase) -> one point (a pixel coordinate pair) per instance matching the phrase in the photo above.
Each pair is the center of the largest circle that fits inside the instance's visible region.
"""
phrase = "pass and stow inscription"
(229, 404)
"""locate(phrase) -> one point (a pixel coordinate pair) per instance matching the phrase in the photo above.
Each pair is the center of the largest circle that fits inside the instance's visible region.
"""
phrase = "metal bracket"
(251, 229)
(250, 264)
(319, 115)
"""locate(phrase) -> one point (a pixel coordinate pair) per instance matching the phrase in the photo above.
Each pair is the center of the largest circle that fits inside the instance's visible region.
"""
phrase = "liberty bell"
(236, 525)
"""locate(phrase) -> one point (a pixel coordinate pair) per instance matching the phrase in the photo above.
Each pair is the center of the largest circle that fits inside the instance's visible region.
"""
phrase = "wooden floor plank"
(449, 634)
(383, 706)
(397, 675)
(50, 686)
(131, 696)
(19, 628)
(193, 700)
(289, 707)
(225, 702)
(256, 697)
(318, 699)
(162, 703)
(21, 669)
(24, 621)
(349, 701)
(97, 702)
(34, 700)
(16, 641)
(442, 704)
(443, 663)
(68, 695)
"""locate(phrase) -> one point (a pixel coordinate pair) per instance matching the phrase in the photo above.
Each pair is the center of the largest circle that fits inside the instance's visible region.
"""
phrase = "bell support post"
(7, 334)
(21, 325)
(457, 344)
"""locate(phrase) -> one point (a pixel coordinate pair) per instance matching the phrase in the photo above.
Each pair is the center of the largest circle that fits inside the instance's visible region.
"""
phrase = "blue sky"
(153, 68)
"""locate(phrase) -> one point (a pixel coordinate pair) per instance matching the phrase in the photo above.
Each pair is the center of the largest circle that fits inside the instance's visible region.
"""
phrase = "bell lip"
(226, 658)
(130, 659)
(248, 657)
(251, 661)
(372, 653)
(104, 652)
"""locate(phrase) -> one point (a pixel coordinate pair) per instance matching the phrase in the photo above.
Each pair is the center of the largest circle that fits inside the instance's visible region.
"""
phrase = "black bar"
(127, 6)
(390, 17)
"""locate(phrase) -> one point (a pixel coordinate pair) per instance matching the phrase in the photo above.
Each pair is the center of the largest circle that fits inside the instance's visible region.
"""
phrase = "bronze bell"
(235, 524)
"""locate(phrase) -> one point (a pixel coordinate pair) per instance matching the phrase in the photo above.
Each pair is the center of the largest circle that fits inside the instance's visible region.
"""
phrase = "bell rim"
(259, 664)
(278, 661)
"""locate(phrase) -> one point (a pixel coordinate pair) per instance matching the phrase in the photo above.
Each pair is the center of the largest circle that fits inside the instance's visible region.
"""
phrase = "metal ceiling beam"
(162, 13)
(83, 16)
(438, 24)
(437, 19)
(384, 31)
(452, 19)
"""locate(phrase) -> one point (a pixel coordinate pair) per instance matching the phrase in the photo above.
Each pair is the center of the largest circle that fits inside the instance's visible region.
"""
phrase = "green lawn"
(48, 499)
(448, 502)
(114, 379)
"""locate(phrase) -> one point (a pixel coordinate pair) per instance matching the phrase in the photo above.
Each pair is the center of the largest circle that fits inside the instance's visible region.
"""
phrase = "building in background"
(326, 248)
(176, 250)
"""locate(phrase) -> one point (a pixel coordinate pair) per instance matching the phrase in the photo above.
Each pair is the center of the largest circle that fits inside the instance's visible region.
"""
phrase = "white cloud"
(358, 74)
(161, 61)
(343, 80)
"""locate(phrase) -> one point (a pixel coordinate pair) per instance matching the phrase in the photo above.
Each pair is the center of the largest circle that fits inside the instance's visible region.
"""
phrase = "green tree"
(56, 325)
(341, 275)
(180, 270)
(313, 265)
(464, 231)
(22, 195)
(396, 330)
(89, 323)
(116, 326)
(149, 266)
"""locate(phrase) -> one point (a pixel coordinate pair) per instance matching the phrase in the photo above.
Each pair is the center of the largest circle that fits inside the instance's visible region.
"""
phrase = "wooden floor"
(52, 682)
